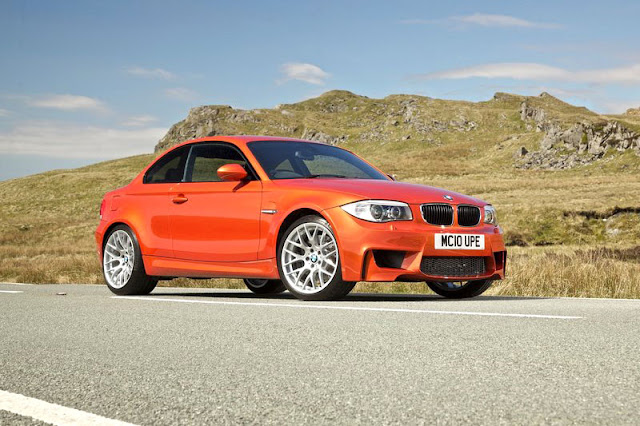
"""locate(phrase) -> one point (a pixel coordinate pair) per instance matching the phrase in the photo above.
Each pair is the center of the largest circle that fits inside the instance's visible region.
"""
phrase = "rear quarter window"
(169, 168)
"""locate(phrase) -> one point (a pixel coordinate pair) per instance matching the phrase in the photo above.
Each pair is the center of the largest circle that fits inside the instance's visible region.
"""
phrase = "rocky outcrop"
(318, 136)
(412, 116)
(579, 144)
(202, 121)
(537, 115)
(633, 112)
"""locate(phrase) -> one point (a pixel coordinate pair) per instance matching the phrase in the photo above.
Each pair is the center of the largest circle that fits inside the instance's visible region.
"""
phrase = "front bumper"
(403, 245)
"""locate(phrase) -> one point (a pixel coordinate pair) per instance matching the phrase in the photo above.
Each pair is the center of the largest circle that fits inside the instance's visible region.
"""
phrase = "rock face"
(201, 122)
(318, 136)
(581, 143)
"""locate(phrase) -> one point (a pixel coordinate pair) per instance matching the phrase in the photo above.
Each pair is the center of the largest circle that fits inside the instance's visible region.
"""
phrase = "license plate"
(459, 242)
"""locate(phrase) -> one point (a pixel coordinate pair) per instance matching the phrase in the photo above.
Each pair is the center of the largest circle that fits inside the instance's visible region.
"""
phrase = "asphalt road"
(183, 356)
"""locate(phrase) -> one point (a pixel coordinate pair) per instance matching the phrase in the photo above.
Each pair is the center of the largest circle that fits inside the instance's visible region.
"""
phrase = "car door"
(148, 204)
(214, 220)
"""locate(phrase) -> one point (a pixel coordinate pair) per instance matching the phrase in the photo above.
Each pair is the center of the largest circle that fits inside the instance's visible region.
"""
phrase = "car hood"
(363, 189)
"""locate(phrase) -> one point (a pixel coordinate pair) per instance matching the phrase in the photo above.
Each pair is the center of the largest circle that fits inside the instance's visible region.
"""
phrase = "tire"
(120, 245)
(309, 261)
(259, 286)
(464, 291)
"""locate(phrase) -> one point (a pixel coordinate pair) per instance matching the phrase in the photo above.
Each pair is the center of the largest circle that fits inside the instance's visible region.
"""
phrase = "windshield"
(303, 160)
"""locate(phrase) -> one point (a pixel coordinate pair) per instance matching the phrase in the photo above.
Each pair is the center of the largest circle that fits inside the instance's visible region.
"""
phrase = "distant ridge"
(568, 135)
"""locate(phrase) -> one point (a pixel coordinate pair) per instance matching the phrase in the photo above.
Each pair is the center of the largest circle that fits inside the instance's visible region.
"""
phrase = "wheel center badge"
(314, 258)
(448, 197)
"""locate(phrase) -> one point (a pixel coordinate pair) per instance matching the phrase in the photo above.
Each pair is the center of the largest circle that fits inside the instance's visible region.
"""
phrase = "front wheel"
(309, 261)
(259, 286)
(461, 289)
(122, 264)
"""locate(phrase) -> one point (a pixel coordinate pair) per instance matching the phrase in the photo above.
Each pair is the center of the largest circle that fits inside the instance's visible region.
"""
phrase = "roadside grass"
(573, 272)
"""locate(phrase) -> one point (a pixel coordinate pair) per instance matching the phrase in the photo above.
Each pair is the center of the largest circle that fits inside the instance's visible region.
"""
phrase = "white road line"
(608, 299)
(17, 284)
(51, 413)
(348, 308)
(11, 291)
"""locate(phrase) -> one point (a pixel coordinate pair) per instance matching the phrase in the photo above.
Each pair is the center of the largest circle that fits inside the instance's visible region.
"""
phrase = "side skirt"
(169, 267)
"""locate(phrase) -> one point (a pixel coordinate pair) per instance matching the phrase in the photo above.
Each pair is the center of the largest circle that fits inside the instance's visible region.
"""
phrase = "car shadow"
(354, 297)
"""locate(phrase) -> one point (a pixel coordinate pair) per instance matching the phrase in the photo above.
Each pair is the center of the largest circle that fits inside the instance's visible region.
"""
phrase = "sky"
(86, 81)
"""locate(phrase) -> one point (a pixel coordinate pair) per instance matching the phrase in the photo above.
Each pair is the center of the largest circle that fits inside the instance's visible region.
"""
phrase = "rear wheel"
(459, 289)
(309, 261)
(122, 264)
(259, 286)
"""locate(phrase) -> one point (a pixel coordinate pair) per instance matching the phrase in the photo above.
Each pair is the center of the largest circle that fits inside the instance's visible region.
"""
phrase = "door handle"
(179, 199)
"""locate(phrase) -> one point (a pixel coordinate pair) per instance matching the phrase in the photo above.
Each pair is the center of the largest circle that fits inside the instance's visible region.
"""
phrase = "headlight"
(490, 215)
(379, 210)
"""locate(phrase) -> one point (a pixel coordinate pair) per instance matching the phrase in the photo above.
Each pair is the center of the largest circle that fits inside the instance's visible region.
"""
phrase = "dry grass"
(599, 272)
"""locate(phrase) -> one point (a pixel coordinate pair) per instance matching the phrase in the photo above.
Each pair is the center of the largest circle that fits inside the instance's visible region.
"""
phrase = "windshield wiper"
(325, 175)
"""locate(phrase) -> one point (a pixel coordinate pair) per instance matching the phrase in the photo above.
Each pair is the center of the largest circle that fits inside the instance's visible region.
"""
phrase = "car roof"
(243, 139)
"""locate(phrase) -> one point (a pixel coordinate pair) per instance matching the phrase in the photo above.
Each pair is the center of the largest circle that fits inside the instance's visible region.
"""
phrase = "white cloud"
(531, 71)
(151, 73)
(78, 141)
(487, 20)
(181, 94)
(4, 112)
(484, 20)
(308, 73)
(139, 120)
(66, 102)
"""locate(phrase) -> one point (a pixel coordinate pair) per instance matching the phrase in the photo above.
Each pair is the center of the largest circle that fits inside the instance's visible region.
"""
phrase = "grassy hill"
(573, 226)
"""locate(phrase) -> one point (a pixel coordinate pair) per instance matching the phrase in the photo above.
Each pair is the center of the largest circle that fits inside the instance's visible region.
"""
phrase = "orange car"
(287, 214)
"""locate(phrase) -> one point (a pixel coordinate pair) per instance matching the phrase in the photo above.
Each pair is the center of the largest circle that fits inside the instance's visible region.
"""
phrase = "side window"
(168, 169)
(206, 159)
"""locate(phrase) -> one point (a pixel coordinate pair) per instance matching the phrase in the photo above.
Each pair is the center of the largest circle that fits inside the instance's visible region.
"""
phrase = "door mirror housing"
(232, 173)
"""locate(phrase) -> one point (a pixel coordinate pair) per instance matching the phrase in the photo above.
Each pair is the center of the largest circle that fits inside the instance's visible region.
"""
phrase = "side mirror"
(392, 177)
(232, 173)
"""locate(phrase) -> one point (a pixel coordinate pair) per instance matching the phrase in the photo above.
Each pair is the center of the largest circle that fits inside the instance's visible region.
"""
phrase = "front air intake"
(453, 266)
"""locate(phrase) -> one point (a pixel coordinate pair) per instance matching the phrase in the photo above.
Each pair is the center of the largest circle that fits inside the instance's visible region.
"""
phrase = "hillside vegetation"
(564, 180)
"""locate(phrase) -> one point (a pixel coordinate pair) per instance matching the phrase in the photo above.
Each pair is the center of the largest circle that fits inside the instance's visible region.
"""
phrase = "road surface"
(184, 356)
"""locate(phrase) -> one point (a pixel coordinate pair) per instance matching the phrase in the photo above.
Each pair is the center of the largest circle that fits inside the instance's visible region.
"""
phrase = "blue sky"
(84, 81)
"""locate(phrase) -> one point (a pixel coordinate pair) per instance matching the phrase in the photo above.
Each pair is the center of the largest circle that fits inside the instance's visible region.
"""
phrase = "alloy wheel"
(309, 257)
(118, 259)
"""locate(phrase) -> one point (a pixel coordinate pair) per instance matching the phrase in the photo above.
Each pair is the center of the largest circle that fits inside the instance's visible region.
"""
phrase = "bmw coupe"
(287, 214)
